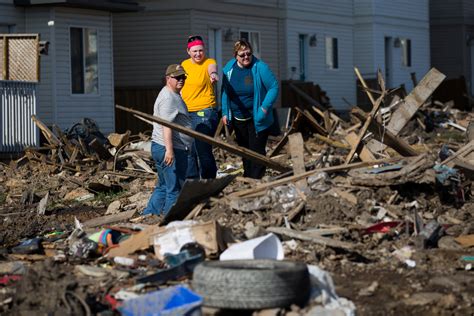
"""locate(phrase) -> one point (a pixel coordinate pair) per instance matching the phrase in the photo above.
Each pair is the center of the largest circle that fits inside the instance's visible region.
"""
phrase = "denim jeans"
(170, 179)
(201, 162)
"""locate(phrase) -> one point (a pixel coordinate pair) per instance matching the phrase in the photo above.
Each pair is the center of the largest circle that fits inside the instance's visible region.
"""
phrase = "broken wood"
(109, 219)
(48, 134)
(297, 158)
(306, 237)
(284, 139)
(101, 151)
(237, 150)
(365, 154)
(295, 212)
(364, 128)
(415, 100)
(332, 169)
(385, 136)
(307, 115)
(312, 101)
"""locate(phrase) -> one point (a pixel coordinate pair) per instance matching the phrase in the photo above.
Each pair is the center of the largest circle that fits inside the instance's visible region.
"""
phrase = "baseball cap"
(175, 70)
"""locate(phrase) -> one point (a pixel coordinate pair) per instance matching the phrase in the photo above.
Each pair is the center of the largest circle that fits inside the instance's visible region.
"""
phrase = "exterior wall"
(322, 19)
(266, 27)
(377, 19)
(145, 43)
(36, 21)
(11, 16)
(71, 108)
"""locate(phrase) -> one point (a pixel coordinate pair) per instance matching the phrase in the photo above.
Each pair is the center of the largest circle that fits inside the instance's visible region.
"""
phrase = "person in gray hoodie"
(249, 90)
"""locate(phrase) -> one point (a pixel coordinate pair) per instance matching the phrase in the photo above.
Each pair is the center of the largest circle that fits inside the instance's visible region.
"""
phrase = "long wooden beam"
(237, 150)
(297, 177)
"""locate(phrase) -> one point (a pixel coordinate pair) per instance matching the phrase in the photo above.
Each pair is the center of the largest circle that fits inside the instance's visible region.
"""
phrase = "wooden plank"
(388, 138)
(307, 115)
(415, 100)
(48, 134)
(375, 108)
(109, 219)
(297, 210)
(297, 158)
(461, 153)
(363, 130)
(312, 101)
(237, 150)
(294, 126)
(294, 178)
(306, 237)
(365, 154)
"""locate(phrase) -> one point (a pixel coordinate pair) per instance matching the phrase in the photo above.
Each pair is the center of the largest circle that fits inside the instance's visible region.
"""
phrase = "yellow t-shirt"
(198, 92)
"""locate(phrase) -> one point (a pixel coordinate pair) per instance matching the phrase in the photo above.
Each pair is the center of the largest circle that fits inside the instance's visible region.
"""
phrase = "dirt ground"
(434, 281)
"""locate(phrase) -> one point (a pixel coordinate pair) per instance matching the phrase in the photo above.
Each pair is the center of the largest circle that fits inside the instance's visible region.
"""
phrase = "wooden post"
(297, 157)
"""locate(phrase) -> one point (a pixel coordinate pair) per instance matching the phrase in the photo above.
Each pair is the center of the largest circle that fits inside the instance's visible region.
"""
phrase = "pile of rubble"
(375, 209)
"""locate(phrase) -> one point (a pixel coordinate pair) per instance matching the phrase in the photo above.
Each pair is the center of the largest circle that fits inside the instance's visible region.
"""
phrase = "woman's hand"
(169, 157)
(214, 77)
(224, 120)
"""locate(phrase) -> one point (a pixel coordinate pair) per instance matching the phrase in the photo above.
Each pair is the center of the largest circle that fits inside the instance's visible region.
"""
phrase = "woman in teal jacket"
(249, 89)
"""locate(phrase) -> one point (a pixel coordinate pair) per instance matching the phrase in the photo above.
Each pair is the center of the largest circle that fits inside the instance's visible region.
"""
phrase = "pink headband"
(195, 42)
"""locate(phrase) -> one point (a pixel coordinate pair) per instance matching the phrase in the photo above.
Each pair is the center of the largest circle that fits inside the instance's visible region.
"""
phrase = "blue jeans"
(170, 179)
(201, 162)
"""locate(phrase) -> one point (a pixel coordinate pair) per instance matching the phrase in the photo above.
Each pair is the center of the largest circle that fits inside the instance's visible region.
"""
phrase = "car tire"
(252, 284)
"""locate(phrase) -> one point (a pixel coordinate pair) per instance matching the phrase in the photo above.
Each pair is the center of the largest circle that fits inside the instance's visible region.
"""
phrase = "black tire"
(252, 284)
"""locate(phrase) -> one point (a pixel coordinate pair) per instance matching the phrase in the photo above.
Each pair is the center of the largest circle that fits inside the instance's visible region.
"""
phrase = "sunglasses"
(242, 55)
(179, 78)
(194, 38)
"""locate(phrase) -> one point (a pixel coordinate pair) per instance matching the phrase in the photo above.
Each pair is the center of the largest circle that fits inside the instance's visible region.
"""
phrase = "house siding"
(145, 43)
(266, 27)
(322, 19)
(36, 21)
(11, 15)
(377, 19)
(71, 108)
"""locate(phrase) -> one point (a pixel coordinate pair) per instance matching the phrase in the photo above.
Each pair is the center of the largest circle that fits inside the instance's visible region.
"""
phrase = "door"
(388, 61)
(215, 51)
(471, 46)
(303, 54)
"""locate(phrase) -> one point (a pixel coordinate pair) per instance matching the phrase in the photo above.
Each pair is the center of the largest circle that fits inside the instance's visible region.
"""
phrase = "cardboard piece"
(139, 241)
(174, 236)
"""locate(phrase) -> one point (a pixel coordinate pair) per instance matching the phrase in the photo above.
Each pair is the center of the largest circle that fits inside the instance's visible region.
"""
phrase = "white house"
(76, 77)
(319, 46)
(393, 36)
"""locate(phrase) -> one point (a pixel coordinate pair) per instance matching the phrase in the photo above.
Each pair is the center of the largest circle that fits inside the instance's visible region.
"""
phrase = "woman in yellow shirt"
(199, 96)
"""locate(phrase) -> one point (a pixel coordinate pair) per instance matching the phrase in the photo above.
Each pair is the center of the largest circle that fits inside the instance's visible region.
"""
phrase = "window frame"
(83, 32)
(406, 52)
(332, 56)
(256, 53)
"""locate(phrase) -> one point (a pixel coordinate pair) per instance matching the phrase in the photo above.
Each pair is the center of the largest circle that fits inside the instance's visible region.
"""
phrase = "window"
(332, 59)
(84, 61)
(406, 52)
(254, 39)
